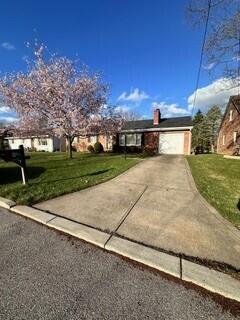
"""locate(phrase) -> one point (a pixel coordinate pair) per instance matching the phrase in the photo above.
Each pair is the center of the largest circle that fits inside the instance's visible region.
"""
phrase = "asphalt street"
(47, 275)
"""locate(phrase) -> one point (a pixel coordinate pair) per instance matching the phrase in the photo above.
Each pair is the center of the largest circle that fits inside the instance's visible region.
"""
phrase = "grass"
(53, 174)
(218, 180)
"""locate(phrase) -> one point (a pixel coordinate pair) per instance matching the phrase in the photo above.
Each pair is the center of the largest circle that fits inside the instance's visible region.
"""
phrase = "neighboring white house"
(37, 143)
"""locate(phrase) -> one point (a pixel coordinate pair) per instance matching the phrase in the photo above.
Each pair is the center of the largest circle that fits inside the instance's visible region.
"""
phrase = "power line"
(202, 52)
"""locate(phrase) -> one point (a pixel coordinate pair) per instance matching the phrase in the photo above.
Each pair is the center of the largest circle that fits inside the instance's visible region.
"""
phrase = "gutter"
(158, 129)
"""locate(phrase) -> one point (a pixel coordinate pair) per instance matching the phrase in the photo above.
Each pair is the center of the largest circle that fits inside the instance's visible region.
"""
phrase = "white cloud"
(4, 108)
(170, 110)
(134, 96)
(7, 119)
(122, 108)
(8, 46)
(209, 66)
(216, 93)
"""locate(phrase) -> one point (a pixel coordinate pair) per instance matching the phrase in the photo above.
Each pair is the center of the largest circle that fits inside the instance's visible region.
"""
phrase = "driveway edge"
(214, 211)
(202, 276)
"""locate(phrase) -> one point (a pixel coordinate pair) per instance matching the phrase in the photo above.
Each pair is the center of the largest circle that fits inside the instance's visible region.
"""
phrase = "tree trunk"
(69, 139)
(212, 148)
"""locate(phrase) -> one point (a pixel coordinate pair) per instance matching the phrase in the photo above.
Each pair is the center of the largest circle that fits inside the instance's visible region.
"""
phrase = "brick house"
(81, 144)
(158, 135)
(229, 132)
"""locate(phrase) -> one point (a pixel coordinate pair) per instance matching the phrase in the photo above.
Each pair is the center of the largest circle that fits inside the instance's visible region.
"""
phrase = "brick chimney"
(156, 116)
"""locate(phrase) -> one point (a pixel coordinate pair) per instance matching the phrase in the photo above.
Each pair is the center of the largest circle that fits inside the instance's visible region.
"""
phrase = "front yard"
(218, 180)
(53, 174)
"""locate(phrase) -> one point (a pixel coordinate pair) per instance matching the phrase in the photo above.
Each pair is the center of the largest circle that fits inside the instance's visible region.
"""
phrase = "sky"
(145, 49)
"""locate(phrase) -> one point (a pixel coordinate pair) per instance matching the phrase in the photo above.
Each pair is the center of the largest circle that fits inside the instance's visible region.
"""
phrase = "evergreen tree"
(197, 141)
(210, 127)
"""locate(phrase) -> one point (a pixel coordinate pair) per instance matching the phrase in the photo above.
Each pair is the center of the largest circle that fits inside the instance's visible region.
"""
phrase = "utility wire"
(202, 52)
(238, 62)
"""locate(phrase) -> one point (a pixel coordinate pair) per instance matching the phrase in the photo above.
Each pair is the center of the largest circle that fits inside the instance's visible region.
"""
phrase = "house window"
(231, 115)
(223, 140)
(235, 136)
(108, 142)
(12, 141)
(42, 142)
(93, 139)
(133, 139)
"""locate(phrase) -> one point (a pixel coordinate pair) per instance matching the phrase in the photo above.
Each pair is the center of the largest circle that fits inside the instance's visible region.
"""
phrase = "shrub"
(98, 147)
(90, 148)
(115, 148)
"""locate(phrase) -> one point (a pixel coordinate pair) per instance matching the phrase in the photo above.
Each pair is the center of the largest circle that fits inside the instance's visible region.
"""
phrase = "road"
(48, 275)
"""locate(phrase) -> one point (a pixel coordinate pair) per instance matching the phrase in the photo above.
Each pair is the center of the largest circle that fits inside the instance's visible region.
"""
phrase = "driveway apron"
(155, 203)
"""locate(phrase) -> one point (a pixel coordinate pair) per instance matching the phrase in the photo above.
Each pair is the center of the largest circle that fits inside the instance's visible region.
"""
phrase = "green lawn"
(53, 174)
(218, 180)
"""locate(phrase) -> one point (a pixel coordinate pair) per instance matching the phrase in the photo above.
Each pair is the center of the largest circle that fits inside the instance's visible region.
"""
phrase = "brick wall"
(81, 144)
(151, 141)
(187, 142)
(227, 131)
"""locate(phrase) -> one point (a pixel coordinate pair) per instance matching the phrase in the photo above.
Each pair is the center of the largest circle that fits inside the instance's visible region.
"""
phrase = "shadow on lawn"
(95, 173)
(13, 174)
(238, 204)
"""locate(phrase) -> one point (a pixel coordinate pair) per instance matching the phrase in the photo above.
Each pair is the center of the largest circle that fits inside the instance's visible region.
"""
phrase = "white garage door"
(171, 143)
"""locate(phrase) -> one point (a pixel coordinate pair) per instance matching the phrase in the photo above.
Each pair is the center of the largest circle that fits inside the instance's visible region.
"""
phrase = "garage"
(171, 143)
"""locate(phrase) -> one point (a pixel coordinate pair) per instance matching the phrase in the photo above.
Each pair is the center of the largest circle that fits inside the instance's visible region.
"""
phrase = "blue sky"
(145, 49)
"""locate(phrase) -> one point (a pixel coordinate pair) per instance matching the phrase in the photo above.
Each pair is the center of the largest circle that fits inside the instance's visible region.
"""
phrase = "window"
(108, 142)
(231, 115)
(133, 139)
(12, 141)
(42, 142)
(223, 140)
(93, 139)
(235, 136)
(121, 139)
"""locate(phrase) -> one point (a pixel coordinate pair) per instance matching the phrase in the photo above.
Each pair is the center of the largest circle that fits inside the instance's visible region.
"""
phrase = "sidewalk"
(155, 203)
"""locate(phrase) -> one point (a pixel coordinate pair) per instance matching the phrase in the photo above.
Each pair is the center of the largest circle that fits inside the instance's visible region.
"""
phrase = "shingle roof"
(236, 102)
(164, 123)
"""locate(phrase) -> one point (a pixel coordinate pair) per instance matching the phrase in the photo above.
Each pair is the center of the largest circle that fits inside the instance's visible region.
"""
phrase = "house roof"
(235, 101)
(178, 122)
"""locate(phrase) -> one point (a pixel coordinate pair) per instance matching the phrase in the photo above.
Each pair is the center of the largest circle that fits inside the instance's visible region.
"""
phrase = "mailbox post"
(125, 146)
(23, 165)
(17, 156)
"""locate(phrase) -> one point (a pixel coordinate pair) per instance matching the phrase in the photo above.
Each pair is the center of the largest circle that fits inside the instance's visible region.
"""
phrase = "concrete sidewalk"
(155, 203)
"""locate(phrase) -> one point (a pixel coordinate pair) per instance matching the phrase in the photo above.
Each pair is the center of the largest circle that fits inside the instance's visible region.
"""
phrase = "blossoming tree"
(54, 97)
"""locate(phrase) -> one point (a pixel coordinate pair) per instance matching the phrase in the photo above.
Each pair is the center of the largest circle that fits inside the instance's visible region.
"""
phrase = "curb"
(6, 203)
(214, 281)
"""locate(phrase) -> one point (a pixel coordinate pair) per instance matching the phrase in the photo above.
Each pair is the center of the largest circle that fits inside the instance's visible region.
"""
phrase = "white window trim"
(235, 136)
(223, 140)
(231, 115)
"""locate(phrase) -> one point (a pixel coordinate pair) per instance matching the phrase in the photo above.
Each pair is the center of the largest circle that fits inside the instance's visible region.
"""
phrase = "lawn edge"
(212, 209)
(84, 188)
(176, 267)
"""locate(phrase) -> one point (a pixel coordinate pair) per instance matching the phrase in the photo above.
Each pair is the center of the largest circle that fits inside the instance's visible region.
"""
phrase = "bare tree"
(222, 47)
(128, 115)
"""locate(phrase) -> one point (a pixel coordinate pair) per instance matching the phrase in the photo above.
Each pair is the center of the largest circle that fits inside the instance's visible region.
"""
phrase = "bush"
(115, 148)
(98, 147)
(90, 148)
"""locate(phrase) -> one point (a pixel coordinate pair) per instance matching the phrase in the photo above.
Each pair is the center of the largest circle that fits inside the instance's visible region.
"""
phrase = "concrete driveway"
(155, 203)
